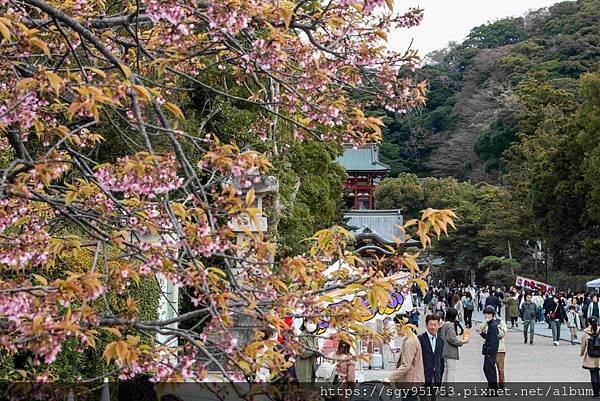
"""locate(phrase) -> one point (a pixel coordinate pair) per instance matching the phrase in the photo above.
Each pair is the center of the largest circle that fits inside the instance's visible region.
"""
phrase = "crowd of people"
(530, 306)
(430, 359)
(579, 311)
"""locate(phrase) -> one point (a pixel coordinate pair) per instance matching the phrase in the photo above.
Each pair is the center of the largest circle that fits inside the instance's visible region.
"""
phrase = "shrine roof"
(381, 225)
(365, 158)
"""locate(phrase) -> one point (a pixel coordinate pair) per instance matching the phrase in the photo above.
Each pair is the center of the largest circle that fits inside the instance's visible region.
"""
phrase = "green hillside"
(512, 131)
(477, 90)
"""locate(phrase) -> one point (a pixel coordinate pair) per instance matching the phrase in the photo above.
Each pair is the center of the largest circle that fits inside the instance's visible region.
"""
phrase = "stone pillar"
(168, 302)
(168, 307)
(263, 185)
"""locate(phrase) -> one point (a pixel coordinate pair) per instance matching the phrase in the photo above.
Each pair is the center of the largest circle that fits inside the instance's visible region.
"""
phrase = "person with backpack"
(538, 300)
(590, 351)
(469, 307)
(512, 309)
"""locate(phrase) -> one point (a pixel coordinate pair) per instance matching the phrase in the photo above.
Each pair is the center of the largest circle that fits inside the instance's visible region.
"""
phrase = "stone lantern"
(263, 186)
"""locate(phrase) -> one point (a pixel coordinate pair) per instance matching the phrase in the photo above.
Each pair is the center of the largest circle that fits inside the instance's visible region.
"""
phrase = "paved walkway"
(540, 362)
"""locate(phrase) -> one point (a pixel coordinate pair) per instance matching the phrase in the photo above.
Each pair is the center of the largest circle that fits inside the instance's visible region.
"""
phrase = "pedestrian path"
(541, 329)
(541, 362)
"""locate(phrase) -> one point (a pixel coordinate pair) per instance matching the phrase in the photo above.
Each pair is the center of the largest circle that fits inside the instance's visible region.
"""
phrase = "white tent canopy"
(334, 270)
(593, 283)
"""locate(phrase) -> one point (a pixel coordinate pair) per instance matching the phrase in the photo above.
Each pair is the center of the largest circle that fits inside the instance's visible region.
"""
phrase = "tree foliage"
(523, 95)
(489, 219)
(403, 192)
(137, 132)
(472, 115)
(546, 168)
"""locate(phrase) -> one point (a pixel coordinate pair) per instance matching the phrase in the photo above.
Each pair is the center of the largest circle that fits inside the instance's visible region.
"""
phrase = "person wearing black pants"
(589, 352)
(468, 318)
(595, 374)
(469, 307)
(490, 346)
(432, 349)
(557, 317)
(458, 305)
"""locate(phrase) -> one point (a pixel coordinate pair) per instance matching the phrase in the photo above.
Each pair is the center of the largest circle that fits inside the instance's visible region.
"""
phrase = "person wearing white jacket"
(538, 300)
(407, 305)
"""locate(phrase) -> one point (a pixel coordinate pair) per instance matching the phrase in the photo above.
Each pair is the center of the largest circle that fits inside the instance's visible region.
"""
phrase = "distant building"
(365, 171)
(377, 232)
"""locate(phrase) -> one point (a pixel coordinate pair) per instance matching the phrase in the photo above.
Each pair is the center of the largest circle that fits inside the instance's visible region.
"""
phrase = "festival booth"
(594, 284)
(380, 353)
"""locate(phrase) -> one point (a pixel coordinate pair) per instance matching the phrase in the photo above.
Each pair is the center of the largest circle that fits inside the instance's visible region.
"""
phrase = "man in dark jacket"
(490, 346)
(548, 307)
(432, 347)
(587, 299)
(493, 301)
(528, 314)
(428, 296)
(417, 294)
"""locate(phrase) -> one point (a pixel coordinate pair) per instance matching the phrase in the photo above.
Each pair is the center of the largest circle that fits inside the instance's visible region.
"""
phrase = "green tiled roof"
(383, 223)
(362, 159)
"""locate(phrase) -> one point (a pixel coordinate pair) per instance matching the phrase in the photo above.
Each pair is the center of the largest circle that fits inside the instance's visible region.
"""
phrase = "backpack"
(593, 349)
(469, 305)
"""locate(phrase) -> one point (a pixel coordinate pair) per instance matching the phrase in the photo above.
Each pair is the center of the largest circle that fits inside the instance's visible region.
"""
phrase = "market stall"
(593, 284)
(380, 353)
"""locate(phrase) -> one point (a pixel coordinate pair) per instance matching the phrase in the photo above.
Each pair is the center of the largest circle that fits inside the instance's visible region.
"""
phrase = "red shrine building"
(365, 171)
(376, 232)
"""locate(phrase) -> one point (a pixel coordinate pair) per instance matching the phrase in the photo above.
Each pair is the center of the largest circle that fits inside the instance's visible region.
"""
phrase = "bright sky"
(451, 20)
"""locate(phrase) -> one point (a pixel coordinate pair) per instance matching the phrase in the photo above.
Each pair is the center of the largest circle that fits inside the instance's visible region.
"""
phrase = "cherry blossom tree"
(75, 74)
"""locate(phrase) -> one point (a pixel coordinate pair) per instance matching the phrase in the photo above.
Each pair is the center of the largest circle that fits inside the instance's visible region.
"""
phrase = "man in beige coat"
(409, 369)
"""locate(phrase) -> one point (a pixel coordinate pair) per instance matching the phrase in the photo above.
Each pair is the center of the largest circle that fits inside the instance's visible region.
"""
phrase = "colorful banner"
(396, 301)
(534, 284)
(340, 297)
